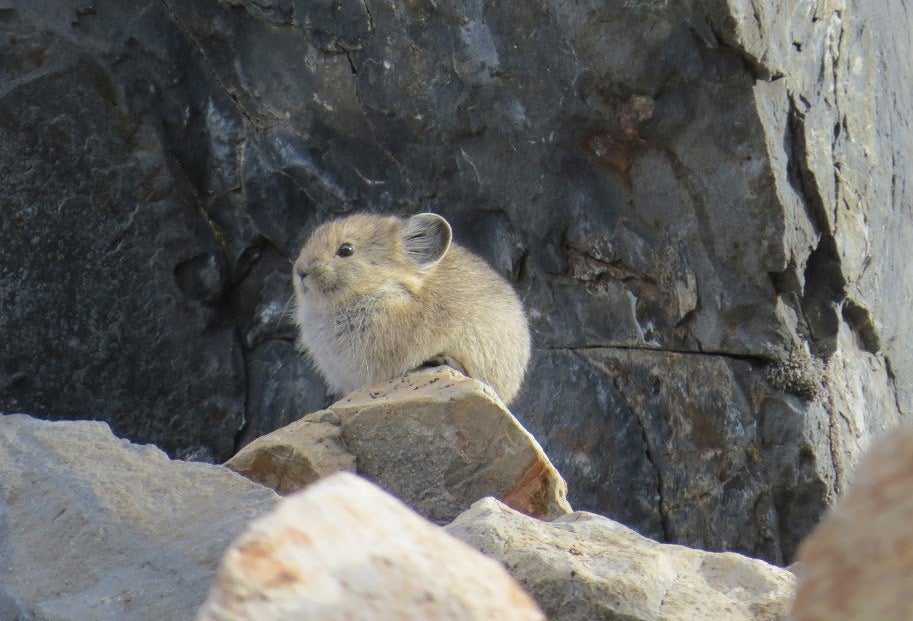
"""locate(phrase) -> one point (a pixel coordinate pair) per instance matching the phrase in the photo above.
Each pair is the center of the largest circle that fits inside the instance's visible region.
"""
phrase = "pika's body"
(377, 297)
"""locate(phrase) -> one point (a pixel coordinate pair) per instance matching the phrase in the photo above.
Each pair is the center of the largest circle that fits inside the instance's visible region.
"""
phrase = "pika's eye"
(346, 250)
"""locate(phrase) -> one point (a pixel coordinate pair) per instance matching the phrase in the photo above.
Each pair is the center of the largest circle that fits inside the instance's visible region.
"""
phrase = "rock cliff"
(689, 197)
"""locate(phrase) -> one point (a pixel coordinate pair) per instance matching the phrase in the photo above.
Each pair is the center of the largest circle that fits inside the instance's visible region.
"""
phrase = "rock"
(343, 549)
(437, 440)
(94, 528)
(124, 299)
(671, 186)
(294, 456)
(583, 566)
(721, 456)
(857, 565)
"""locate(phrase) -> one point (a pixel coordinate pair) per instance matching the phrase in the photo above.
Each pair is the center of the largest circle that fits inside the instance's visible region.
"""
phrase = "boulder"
(94, 528)
(583, 566)
(857, 565)
(436, 439)
(345, 550)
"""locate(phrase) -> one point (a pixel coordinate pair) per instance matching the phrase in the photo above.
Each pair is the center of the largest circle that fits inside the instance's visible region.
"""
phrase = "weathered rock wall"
(682, 192)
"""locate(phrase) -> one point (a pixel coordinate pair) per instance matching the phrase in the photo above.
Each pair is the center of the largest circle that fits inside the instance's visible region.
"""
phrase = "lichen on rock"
(800, 374)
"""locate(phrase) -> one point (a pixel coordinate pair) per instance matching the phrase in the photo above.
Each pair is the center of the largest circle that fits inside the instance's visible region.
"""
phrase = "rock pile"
(93, 527)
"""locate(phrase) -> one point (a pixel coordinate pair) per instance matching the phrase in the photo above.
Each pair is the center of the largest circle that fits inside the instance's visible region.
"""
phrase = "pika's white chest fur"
(339, 344)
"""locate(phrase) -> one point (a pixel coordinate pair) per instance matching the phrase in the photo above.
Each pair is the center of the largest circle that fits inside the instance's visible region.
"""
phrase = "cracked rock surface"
(683, 194)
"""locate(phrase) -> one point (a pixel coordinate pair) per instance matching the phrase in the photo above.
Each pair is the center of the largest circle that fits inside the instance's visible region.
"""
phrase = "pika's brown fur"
(377, 297)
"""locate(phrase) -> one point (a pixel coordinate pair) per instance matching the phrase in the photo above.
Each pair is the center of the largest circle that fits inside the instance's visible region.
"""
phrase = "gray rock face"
(720, 458)
(110, 278)
(94, 528)
(682, 192)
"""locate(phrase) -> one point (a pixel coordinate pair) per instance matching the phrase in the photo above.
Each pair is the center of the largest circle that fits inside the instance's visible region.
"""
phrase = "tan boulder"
(435, 438)
(344, 549)
(857, 565)
(583, 566)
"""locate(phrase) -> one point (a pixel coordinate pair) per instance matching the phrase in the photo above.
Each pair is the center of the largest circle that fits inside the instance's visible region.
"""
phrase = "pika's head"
(365, 256)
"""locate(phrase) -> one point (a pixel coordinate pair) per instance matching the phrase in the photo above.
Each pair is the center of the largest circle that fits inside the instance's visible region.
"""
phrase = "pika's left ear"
(426, 238)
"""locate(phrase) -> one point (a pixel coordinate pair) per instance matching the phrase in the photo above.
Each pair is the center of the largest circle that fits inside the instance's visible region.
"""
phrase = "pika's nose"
(301, 273)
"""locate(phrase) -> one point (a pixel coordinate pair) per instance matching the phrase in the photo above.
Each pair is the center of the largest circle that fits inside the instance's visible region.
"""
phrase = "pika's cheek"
(323, 278)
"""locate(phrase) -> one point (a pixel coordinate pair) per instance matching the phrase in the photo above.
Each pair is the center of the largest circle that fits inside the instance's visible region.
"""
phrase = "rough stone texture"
(583, 566)
(858, 563)
(343, 549)
(676, 188)
(292, 457)
(95, 528)
(436, 439)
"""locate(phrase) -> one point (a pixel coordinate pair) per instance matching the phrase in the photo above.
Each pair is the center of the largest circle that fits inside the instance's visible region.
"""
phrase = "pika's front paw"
(442, 360)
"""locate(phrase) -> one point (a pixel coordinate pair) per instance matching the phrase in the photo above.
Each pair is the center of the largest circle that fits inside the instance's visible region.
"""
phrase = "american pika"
(377, 297)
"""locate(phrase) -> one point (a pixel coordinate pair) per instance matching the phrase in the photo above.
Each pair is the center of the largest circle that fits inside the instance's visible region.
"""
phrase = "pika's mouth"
(315, 288)
(313, 282)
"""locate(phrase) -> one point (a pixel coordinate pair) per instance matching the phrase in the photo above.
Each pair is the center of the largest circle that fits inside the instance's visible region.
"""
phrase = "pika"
(377, 297)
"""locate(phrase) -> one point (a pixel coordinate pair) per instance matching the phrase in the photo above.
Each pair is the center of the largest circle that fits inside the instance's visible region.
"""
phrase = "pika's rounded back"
(377, 297)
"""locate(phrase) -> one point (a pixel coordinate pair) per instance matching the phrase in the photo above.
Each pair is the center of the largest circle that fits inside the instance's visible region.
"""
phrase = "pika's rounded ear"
(426, 238)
